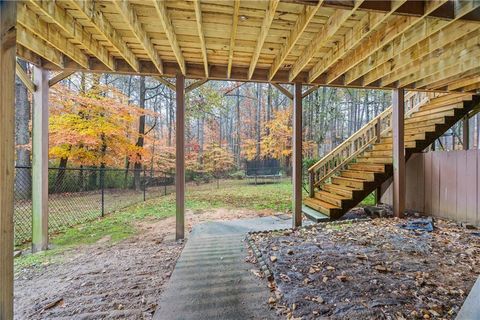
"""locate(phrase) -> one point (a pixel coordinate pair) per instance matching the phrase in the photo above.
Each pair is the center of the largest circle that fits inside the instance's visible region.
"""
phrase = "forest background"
(128, 122)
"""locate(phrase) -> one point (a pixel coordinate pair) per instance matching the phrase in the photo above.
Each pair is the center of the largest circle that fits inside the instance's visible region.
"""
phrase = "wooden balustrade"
(370, 133)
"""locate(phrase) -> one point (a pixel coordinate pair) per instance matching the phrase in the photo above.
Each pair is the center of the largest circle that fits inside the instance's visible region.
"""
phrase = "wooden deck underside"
(422, 45)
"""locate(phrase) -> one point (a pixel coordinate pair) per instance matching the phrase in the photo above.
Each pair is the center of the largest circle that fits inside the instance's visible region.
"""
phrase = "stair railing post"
(378, 130)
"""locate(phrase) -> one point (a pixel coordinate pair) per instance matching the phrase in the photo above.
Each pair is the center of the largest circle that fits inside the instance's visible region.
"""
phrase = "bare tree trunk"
(64, 161)
(258, 120)
(170, 118)
(60, 174)
(238, 142)
(127, 160)
(269, 105)
(201, 139)
(23, 177)
(141, 138)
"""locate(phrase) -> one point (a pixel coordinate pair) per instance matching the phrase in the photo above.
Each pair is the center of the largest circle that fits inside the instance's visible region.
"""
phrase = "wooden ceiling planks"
(369, 44)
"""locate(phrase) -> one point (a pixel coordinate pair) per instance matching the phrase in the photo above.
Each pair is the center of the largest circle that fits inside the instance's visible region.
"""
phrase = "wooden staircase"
(354, 169)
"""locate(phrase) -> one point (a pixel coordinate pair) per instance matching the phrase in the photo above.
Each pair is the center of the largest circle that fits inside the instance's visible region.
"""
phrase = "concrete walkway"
(211, 279)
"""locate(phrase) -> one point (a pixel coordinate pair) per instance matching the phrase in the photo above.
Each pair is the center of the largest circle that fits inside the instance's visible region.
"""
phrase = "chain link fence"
(81, 194)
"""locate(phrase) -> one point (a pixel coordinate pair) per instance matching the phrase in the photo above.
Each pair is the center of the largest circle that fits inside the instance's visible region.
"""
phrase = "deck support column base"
(40, 161)
(398, 122)
(180, 157)
(297, 156)
(8, 20)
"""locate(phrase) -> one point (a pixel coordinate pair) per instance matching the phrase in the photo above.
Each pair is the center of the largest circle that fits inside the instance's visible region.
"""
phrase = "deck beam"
(40, 161)
(266, 24)
(8, 20)
(283, 90)
(180, 156)
(297, 156)
(59, 77)
(398, 123)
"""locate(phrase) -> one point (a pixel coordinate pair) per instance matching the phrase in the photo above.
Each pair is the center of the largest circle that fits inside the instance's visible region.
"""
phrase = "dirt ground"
(110, 281)
(371, 270)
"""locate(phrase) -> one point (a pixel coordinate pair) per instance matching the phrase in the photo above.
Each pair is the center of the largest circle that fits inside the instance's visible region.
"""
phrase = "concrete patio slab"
(211, 279)
(471, 307)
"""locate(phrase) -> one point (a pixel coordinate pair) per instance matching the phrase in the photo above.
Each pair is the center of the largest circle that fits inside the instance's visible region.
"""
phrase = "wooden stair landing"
(359, 177)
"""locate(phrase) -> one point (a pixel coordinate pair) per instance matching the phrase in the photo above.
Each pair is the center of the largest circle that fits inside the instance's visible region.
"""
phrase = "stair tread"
(368, 165)
(331, 195)
(338, 186)
(350, 179)
(321, 203)
(355, 171)
(361, 174)
(373, 154)
(333, 188)
(374, 160)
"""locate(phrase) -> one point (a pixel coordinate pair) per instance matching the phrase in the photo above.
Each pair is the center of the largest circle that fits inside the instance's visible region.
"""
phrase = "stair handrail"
(361, 140)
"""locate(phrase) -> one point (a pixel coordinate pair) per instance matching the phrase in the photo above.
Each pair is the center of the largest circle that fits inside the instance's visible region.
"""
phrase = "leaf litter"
(371, 270)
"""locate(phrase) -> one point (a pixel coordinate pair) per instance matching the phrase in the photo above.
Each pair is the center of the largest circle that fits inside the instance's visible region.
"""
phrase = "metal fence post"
(102, 185)
(144, 185)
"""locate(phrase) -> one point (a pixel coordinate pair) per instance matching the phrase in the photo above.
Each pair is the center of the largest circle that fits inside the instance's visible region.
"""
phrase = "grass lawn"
(121, 224)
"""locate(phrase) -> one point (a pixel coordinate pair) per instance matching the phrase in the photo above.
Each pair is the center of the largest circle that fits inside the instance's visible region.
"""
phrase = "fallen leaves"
(381, 268)
(285, 278)
(54, 303)
(355, 269)
(342, 278)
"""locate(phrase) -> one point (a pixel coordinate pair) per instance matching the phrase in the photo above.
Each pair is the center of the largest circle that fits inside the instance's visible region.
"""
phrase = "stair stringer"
(420, 145)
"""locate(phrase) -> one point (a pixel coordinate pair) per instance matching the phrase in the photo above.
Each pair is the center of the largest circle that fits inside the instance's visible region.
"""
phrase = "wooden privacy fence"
(443, 184)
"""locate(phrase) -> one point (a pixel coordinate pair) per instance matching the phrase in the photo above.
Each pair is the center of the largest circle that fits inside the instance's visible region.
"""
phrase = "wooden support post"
(378, 195)
(466, 133)
(398, 121)
(378, 133)
(8, 20)
(297, 156)
(180, 156)
(40, 161)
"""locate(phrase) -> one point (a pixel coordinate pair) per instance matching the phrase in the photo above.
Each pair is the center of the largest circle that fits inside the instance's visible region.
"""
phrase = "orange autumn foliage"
(93, 128)
(276, 139)
(217, 160)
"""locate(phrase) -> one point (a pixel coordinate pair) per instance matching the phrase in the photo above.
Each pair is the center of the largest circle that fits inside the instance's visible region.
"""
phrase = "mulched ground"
(108, 280)
(371, 270)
